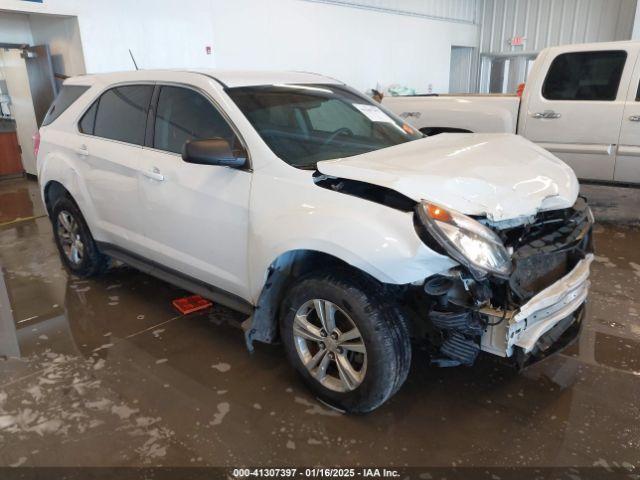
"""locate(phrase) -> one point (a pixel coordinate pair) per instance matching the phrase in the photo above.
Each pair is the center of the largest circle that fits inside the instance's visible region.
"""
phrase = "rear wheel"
(77, 247)
(350, 346)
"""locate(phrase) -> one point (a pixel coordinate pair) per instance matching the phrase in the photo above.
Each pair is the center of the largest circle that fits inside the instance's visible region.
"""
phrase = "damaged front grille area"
(548, 249)
(545, 250)
(537, 272)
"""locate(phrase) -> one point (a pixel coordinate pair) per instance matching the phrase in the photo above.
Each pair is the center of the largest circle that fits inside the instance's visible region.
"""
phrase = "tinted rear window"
(122, 113)
(585, 76)
(68, 95)
(88, 120)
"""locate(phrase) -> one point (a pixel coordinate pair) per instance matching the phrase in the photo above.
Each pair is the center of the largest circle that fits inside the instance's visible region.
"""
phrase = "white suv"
(339, 229)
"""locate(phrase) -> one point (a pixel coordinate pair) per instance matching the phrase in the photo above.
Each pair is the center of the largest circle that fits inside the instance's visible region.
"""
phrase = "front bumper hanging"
(555, 309)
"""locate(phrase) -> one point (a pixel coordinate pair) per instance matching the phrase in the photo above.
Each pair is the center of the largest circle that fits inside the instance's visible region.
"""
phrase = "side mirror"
(216, 151)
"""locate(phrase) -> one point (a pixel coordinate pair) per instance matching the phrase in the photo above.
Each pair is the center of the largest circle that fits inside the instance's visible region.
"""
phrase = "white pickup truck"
(581, 103)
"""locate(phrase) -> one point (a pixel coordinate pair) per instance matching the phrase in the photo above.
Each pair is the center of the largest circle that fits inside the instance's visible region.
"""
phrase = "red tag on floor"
(194, 303)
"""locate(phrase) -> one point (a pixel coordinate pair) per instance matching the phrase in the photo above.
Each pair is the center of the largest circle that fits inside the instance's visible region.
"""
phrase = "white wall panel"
(461, 75)
(364, 45)
(360, 46)
(450, 10)
(62, 34)
(546, 23)
(14, 28)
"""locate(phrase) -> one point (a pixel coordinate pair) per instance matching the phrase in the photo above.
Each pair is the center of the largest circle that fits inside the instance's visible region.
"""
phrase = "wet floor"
(104, 372)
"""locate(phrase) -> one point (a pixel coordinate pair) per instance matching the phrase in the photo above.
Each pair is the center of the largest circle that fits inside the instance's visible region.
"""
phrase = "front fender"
(371, 237)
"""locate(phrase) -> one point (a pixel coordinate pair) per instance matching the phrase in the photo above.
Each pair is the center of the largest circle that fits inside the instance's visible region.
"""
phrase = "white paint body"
(598, 139)
(226, 226)
(475, 174)
(475, 113)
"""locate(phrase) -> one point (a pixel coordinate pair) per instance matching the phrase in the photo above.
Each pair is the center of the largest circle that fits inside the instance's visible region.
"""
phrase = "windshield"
(304, 124)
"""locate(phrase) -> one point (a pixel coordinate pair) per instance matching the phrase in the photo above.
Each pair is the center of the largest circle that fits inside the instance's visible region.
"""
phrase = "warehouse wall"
(14, 28)
(364, 43)
(464, 11)
(546, 23)
(62, 34)
(363, 47)
(542, 23)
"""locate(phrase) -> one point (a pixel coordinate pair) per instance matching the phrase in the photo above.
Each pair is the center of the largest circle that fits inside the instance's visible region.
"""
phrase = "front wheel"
(350, 345)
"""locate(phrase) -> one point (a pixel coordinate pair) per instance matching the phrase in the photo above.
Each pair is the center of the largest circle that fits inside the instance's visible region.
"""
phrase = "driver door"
(196, 216)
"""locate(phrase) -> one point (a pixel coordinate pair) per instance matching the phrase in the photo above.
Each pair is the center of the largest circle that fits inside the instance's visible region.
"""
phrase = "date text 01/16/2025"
(315, 473)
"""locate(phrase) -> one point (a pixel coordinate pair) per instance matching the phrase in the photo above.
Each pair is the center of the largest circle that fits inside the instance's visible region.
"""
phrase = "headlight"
(466, 240)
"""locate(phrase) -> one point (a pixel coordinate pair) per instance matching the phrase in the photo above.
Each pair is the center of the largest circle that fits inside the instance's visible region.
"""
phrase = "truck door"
(628, 158)
(575, 110)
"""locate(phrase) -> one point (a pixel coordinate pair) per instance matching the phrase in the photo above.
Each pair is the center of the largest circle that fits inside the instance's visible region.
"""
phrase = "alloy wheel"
(70, 237)
(330, 345)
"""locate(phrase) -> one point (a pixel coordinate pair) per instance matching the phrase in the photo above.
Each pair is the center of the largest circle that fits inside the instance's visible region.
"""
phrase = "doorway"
(460, 70)
(503, 74)
(37, 52)
(28, 88)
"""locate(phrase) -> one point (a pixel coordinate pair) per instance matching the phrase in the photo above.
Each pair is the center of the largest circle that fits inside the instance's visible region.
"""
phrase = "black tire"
(382, 326)
(92, 262)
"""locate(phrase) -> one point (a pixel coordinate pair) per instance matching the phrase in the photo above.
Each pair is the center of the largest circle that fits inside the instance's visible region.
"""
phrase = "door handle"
(549, 114)
(154, 174)
(83, 151)
(634, 118)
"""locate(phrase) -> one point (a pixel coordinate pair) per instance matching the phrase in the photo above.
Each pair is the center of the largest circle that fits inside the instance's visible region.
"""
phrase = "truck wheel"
(77, 248)
(351, 346)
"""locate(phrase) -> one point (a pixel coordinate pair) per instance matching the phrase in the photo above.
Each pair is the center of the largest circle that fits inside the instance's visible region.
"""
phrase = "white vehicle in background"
(336, 227)
(581, 103)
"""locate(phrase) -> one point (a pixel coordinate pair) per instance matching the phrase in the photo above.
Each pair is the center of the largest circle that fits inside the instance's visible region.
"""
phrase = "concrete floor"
(105, 373)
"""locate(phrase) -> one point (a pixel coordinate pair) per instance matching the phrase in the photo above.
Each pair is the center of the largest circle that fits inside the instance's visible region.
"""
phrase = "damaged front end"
(520, 289)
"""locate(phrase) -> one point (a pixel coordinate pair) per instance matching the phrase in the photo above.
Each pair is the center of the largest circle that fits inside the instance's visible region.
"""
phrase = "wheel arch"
(60, 176)
(51, 192)
(281, 274)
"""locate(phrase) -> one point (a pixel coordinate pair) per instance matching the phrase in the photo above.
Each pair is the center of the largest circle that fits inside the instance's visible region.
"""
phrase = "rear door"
(112, 134)
(575, 110)
(628, 158)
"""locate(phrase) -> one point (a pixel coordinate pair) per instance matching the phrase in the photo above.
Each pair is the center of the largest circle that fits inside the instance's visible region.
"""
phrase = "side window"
(585, 76)
(88, 120)
(183, 114)
(66, 97)
(121, 114)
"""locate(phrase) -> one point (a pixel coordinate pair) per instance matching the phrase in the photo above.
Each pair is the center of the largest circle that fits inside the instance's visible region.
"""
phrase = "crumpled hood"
(502, 176)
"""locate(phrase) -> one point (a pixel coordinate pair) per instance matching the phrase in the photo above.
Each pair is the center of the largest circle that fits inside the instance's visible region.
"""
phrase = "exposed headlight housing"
(466, 240)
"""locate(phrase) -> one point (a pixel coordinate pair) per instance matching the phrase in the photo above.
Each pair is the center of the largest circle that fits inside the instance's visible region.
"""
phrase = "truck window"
(585, 76)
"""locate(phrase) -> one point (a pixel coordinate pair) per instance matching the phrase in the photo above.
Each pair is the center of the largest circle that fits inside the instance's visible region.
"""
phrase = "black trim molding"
(176, 278)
